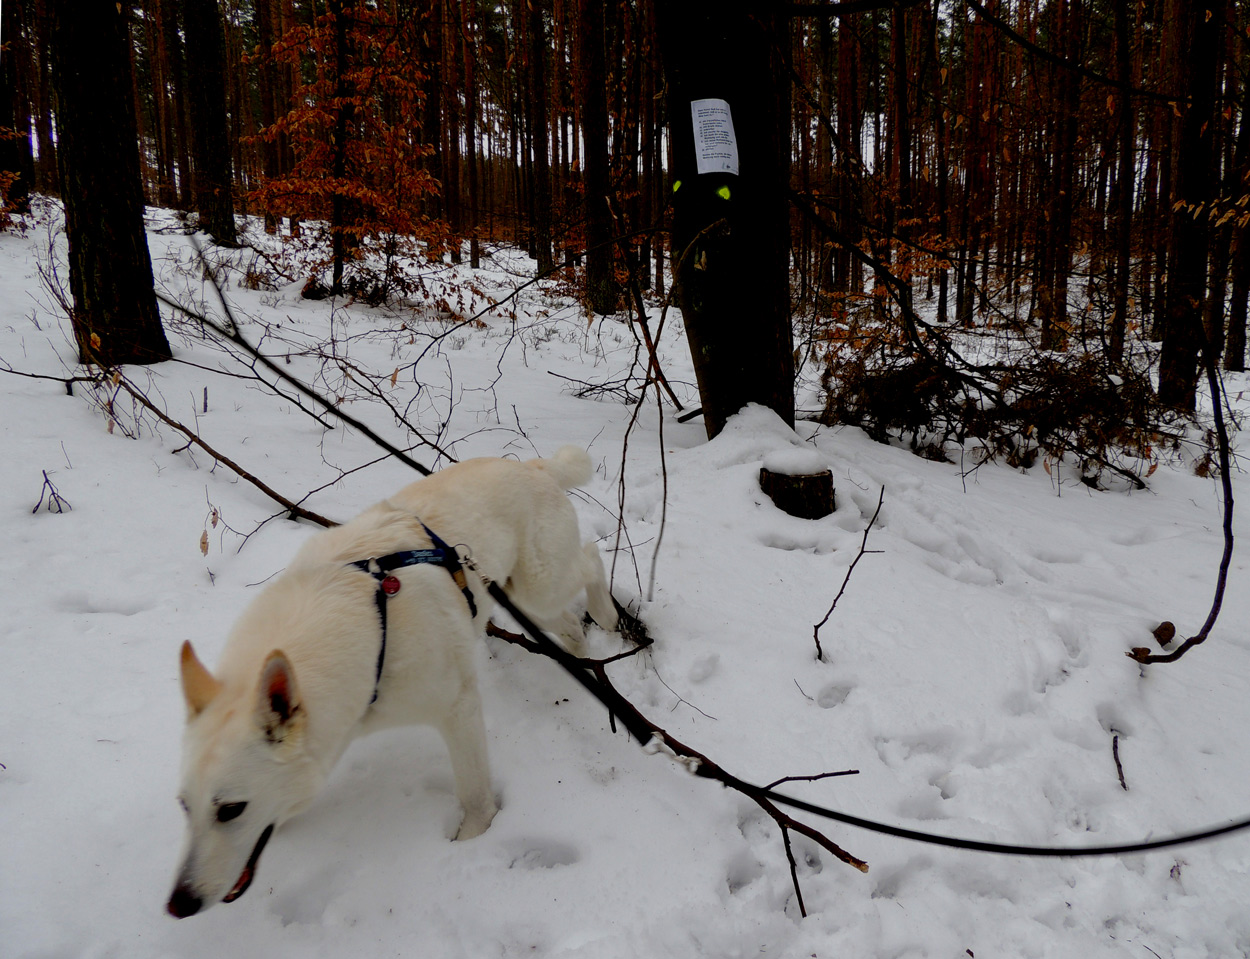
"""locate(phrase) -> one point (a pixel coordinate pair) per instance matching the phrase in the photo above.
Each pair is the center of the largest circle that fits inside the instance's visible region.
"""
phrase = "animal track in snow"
(703, 668)
(306, 900)
(79, 601)
(1111, 718)
(742, 870)
(542, 854)
(833, 695)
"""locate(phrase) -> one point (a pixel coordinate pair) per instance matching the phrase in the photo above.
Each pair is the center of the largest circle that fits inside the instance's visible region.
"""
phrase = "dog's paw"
(474, 824)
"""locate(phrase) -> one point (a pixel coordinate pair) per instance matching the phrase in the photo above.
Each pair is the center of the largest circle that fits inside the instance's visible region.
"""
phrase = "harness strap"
(380, 568)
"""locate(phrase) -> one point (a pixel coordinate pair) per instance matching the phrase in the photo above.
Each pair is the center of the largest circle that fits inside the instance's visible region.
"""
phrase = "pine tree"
(115, 316)
(210, 136)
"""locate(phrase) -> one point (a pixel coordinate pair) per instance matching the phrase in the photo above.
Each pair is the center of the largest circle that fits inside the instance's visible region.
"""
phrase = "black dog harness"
(381, 567)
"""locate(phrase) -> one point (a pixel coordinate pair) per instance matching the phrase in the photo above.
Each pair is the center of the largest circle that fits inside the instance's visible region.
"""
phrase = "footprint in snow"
(542, 854)
(833, 695)
(703, 668)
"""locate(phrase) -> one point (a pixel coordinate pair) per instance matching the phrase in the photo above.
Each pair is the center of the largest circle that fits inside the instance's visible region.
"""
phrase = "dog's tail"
(569, 467)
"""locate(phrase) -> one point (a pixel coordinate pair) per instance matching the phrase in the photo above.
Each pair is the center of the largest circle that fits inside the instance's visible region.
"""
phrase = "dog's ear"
(278, 710)
(199, 686)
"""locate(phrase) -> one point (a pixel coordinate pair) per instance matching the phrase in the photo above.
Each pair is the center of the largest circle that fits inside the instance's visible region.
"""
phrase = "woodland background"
(1067, 177)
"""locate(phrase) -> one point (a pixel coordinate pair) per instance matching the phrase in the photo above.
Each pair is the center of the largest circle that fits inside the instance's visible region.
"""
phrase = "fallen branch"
(820, 653)
(293, 509)
(592, 675)
(1115, 754)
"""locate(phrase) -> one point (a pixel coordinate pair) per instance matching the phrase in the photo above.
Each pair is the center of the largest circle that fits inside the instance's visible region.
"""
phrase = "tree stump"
(798, 482)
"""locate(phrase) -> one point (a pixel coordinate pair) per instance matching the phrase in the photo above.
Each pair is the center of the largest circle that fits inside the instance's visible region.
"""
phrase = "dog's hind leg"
(598, 596)
(465, 734)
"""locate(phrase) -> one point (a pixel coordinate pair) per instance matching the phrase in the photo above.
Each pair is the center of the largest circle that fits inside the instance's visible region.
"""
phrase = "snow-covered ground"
(976, 673)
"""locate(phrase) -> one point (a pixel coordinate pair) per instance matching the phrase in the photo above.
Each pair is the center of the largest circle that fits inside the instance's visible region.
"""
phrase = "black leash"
(1007, 849)
(381, 568)
(644, 732)
(621, 709)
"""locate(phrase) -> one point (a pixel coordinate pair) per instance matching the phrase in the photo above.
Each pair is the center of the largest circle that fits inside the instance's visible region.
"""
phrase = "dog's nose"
(184, 903)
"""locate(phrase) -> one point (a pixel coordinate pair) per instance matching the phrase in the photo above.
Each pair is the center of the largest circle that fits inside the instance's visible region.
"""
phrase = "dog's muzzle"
(184, 902)
(249, 871)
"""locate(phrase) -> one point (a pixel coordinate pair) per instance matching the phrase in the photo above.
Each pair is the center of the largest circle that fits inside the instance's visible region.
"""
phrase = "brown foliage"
(359, 163)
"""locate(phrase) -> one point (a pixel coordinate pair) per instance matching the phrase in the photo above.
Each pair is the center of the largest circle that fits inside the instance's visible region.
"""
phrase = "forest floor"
(975, 672)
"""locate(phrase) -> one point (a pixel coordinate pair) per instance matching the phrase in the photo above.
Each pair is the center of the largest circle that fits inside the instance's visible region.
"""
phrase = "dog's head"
(245, 770)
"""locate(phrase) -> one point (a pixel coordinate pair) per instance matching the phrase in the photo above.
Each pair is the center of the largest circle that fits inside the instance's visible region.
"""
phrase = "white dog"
(373, 625)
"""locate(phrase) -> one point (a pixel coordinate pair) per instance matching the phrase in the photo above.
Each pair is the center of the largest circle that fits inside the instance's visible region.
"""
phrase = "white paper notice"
(715, 146)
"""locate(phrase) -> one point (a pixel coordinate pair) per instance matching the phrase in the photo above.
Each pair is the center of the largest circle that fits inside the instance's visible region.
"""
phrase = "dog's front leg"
(465, 735)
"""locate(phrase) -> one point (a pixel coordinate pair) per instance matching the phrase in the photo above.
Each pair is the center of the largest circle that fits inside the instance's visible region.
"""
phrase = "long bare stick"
(293, 508)
(820, 653)
(592, 675)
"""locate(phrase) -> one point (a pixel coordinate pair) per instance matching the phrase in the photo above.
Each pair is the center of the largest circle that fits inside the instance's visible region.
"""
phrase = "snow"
(795, 461)
(975, 671)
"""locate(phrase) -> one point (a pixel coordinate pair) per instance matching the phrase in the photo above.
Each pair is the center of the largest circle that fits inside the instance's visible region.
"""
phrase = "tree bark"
(46, 178)
(342, 241)
(1125, 177)
(16, 157)
(600, 283)
(271, 167)
(1183, 336)
(470, 50)
(731, 234)
(210, 138)
(541, 159)
(115, 316)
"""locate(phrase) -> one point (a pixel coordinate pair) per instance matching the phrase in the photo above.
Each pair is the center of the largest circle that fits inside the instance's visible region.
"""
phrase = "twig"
(620, 523)
(794, 870)
(67, 381)
(56, 503)
(659, 539)
(1115, 753)
(820, 653)
(293, 509)
(627, 252)
(811, 779)
(619, 387)
(652, 736)
(237, 338)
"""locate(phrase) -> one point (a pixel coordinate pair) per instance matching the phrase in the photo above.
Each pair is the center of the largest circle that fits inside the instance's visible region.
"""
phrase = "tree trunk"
(600, 281)
(46, 177)
(16, 157)
(340, 241)
(1125, 177)
(210, 138)
(115, 316)
(271, 166)
(1053, 296)
(1183, 336)
(470, 53)
(1235, 351)
(450, 87)
(731, 231)
(539, 137)
(180, 138)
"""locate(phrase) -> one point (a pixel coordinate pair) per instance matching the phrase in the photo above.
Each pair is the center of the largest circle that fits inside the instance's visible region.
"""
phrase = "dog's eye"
(230, 810)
